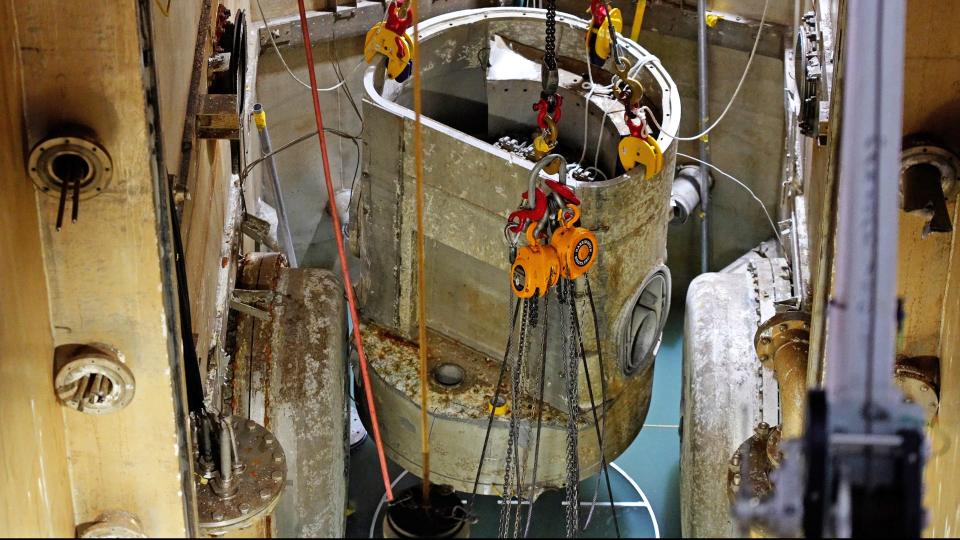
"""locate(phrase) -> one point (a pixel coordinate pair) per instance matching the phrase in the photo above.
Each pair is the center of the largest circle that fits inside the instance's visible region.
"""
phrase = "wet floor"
(646, 489)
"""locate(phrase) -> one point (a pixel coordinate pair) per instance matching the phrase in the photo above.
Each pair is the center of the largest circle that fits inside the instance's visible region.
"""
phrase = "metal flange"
(787, 329)
(92, 379)
(113, 524)
(57, 162)
(945, 161)
(919, 379)
(258, 483)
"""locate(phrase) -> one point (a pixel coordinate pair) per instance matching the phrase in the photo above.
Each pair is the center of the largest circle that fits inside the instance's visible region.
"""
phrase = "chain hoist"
(555, 246)
(558, 252)
(389, 39)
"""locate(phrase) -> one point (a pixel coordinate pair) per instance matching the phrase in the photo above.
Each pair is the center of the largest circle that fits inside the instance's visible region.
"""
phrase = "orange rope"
(421, 274)
(337, 232)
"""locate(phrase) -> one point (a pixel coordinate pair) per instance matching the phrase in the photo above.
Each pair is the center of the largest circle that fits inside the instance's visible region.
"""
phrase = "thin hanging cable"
(494, 400)
(736, 92)
(341, 252)
(773, 227)
(273, 42)
(421, 274)
(593, 403)
(603, 402)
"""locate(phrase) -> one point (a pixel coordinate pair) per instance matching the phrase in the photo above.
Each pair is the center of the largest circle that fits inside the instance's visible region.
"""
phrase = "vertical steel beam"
(861, 318)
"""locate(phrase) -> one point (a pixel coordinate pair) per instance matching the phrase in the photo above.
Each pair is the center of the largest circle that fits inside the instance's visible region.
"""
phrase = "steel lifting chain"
(549, 107)
(550, 45)
(571, 357)
(513, 433)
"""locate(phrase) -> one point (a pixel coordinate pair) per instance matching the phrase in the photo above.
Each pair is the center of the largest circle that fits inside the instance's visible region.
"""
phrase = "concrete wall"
(747, 144)
(289, 115)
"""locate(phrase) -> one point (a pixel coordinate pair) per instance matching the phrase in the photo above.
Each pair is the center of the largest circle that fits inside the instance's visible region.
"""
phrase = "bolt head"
(217, 515)
(736, 479)
(269, 441)
(265, 494)
(276, 476)
(244, 508)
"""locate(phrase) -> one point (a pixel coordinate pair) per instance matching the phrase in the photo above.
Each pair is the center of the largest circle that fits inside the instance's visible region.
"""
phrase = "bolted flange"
(258, 474)
(91, 378)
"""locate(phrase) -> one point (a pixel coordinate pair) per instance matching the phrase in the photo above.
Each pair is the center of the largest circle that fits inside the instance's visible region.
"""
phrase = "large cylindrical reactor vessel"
(481, 75)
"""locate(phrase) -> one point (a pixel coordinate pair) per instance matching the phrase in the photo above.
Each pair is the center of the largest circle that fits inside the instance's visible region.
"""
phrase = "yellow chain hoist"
(536, 268)
(389, 39)
(556, 246)
(575, 246)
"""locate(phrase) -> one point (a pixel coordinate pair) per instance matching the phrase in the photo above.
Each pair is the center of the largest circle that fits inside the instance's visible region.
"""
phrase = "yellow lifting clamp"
(639, 147)
(643, 151)
(389, 38)
(536, 268)
(576, 246)
(599, 42)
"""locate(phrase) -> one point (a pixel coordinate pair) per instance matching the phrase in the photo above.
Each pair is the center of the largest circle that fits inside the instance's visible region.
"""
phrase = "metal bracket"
(255, 303)
(259, 230)
(218, 117)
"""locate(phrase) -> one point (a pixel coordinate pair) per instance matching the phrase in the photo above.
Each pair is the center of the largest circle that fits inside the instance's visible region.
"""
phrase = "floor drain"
(448, 375)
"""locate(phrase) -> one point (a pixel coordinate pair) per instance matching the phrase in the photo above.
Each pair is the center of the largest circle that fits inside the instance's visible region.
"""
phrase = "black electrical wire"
(593, 405)
(493, 401)
(191, 361)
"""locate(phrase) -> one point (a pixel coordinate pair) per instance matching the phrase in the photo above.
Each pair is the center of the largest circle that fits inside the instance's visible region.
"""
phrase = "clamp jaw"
(640, 147)
(390, 40)
(600, 41)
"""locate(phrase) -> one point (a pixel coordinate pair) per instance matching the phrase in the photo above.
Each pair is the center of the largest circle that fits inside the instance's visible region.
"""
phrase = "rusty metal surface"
(458, 417)
(726, 391)
(290, 373)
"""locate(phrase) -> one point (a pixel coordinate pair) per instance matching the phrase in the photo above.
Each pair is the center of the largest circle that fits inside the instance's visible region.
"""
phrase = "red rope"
(347, 285)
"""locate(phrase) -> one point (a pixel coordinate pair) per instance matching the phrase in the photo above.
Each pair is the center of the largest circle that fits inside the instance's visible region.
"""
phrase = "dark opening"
(68, 168)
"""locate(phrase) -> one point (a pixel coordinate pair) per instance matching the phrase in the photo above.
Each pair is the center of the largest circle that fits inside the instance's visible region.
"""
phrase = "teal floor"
(652, 461)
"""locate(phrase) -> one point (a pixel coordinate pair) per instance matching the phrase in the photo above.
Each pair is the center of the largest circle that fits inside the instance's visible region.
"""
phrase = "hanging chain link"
(511, 486)
(571, 359)
(550, 43)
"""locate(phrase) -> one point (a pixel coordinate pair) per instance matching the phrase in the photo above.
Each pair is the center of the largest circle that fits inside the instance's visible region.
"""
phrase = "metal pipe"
(226, 452)
(685, 192)
(703, 93)
(283, 227)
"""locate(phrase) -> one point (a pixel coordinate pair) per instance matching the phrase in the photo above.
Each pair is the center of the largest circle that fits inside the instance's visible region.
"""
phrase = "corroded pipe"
(782, 344)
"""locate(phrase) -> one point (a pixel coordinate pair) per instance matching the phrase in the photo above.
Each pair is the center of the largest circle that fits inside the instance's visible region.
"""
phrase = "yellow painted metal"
(397, 48)
(536, 268)
(498, 410)
(576, 246)
(544, 143)
(638, 19)
(603, 43)
(635, 151)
